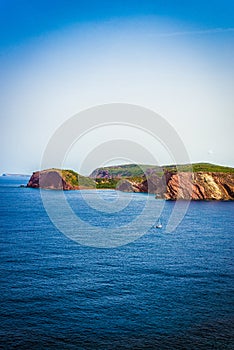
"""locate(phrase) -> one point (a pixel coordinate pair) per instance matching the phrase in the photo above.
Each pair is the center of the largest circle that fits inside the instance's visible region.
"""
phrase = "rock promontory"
(56, 179)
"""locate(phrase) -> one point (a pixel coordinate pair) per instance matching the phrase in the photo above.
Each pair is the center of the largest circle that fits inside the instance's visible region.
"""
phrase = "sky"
(58, 58)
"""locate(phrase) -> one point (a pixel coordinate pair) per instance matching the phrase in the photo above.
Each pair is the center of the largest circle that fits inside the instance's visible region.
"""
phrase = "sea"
(157, 289)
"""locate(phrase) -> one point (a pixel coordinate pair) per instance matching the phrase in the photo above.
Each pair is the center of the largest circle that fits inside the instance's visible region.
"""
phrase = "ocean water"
(161, 291)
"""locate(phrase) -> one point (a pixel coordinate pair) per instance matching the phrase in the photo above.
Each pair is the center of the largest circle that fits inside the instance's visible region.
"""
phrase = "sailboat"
(159, 224)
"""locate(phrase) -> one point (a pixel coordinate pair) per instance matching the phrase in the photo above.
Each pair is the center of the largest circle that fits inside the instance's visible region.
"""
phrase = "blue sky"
(21, 20)
(60, 57)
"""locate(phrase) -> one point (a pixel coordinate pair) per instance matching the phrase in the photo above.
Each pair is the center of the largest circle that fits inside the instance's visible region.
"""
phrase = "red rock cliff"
(52, 179)
(200, 186)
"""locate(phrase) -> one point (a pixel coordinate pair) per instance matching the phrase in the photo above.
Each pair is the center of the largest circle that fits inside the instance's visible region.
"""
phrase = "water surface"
(162, 291)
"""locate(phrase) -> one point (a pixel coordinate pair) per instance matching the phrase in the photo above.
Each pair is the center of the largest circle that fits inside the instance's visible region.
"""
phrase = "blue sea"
(159, 291)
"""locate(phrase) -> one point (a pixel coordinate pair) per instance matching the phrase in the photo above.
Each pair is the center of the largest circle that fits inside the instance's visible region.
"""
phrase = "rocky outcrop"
(52, 179)
(200, 186)
(184, 186)
(154, 184)
(129, 186)
(101, 174)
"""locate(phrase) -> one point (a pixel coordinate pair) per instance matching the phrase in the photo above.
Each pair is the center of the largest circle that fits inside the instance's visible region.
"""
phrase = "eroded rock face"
(129, 186)
(200, 186)
(185, 186)
(154, 184)
(50, 179)
(101, 174)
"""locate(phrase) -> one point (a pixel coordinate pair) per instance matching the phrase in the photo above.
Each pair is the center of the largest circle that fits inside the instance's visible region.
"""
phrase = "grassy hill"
(76, 179)
(126, 170)
(135, 170)
(199, 167)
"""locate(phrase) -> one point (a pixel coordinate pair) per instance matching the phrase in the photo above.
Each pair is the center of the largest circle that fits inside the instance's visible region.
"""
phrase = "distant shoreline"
(14, 175)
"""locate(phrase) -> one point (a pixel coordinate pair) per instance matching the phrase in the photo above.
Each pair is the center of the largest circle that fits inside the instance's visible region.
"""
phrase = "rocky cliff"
(151, 183)
(185, 185)
(55, 179)
(200, 186)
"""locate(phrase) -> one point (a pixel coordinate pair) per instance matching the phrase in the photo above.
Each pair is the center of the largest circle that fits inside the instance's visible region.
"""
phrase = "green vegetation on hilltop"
(198, 167)
(75, 179)
(212, 168)
(86, 182)
(138, 170)
(70, 176)
(112, 183)
(126, 170)
(106, 183)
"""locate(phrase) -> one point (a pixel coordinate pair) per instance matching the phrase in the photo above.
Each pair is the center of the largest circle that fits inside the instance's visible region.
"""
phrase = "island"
(199, 181)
